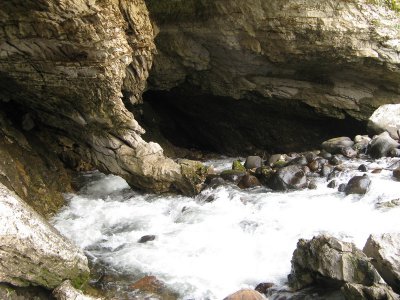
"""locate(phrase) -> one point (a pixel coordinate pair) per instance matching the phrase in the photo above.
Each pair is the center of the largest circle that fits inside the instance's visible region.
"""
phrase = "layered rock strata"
(67, 66)
(261, 67)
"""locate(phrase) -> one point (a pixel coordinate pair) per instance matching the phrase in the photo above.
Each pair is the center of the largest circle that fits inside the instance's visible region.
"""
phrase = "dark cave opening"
(237, 127)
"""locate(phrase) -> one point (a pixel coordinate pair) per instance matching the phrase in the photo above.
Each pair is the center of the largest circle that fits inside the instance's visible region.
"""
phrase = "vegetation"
(391, 4)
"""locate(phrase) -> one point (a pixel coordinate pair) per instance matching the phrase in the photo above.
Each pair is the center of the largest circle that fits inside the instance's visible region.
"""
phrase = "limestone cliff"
(299, 63)
(66, 67)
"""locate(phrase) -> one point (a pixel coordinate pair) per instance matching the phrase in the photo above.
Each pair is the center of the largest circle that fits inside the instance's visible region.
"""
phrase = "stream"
(207, 249)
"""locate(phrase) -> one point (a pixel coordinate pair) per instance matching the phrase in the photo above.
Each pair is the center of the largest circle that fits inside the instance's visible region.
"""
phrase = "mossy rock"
(237, 166)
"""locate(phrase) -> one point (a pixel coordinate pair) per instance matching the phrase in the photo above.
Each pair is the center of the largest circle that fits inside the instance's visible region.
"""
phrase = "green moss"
(237, 165)
(80, 280)
(391, 4)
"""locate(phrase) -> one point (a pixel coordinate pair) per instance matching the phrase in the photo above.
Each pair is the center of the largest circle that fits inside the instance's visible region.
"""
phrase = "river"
(208, 250)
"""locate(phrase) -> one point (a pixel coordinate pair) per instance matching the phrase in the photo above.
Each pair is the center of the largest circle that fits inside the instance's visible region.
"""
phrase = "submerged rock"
(290, 177)
(381, 145)
(386, 118)
(248, 181)
(66, 291)
(327, 261)
(358, 185)
(385, 253)
(246, 295)
(32, 251)
(155, 287)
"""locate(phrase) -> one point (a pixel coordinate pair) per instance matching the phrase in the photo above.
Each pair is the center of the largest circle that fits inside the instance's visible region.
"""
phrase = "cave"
(187, 118)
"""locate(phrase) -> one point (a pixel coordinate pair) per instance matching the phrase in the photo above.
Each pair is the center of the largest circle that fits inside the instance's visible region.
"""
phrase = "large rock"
(386, 118)
(295, 65)
(336, 145)
(72, 66)
(385, 253)
(352, 291)
(358, 185)
(66, 291)
(290, 177)
(32, 252)
(327, 260)
(381, 145)
(246, 295)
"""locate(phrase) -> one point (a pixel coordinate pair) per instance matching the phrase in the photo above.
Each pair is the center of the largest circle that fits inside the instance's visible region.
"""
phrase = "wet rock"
(237, 166)
(232, 175)
(396, 174)
(326, 155)
(66, 291)
(146, 238)
(154, 286)
(329, 262)
(248, 181)
(325, 171)
(332, 184)
(352, 291)
(314, 165)
(376, 171)
(306, 170)
(385, 253)
(394, 152)
(349, 152)
(358, 185)
(386, 118)
(290, 177)
(214, 181)
(362, 168)
(300, 161)
(381, 145)
(32, 251)
(310, 156)
(361, 143)
(335, 160)
(264, 287)
(342, 187)
(246, 295)
(253, 162)
(275, 158)
(312, 185)
(336, 145)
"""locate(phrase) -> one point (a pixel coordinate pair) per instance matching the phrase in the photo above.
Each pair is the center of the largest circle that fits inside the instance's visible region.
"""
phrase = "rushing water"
(207, 250)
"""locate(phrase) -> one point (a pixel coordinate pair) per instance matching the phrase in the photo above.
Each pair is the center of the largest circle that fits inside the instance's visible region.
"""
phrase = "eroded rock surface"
(32, 252)
(298, 64)
(386, 118)
(70, 65)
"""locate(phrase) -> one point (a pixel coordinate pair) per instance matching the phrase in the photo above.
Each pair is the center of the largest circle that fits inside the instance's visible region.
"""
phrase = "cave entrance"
(189, 119)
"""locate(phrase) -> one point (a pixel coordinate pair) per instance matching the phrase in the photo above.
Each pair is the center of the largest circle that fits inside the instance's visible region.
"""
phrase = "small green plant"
(391, 4)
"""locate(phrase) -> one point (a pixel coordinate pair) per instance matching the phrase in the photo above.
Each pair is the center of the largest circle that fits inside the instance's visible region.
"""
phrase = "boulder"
(32, 252)
(362, 168)
(336, 145)
(327, 261)
(381, 145)
(253, 162)
(385, 118)
(246, 295)
(352, 291)
(146, 238)
(232, 175)
(237, 166)
(264, 287)
(358, 185)
(66, 291)
(385, 253)
(248, 181)
(290, 177)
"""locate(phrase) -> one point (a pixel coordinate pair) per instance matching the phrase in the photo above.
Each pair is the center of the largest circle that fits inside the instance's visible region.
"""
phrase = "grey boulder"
(32, 252)
(385, 118)
(336, 145)
(381, 145)
(385, 253)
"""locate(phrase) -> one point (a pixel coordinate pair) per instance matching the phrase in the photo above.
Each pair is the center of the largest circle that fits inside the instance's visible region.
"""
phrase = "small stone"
(232, 175)
(396, 174)
(326, 155)
(275, 158)
(146, 238)
(325, 171)
(310, 156)
(248, 181)
(312, 185)
(264, 287)
(349, 152)
(363, 168)
(358, 185)
(335, 160)
(376, 171)
(300, 161)
(394, 152)
(332, 184)
(253, 162)
(342, 187)
(314, 165)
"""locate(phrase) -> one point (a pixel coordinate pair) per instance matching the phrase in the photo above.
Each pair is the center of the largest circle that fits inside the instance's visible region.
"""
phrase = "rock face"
(68, 66)
(385, 251)
(327, 260)
(386, 118)
(32, 252)
(293, 64)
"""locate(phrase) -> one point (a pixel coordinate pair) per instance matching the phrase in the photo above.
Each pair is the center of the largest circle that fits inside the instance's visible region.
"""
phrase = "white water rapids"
(207, 250)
